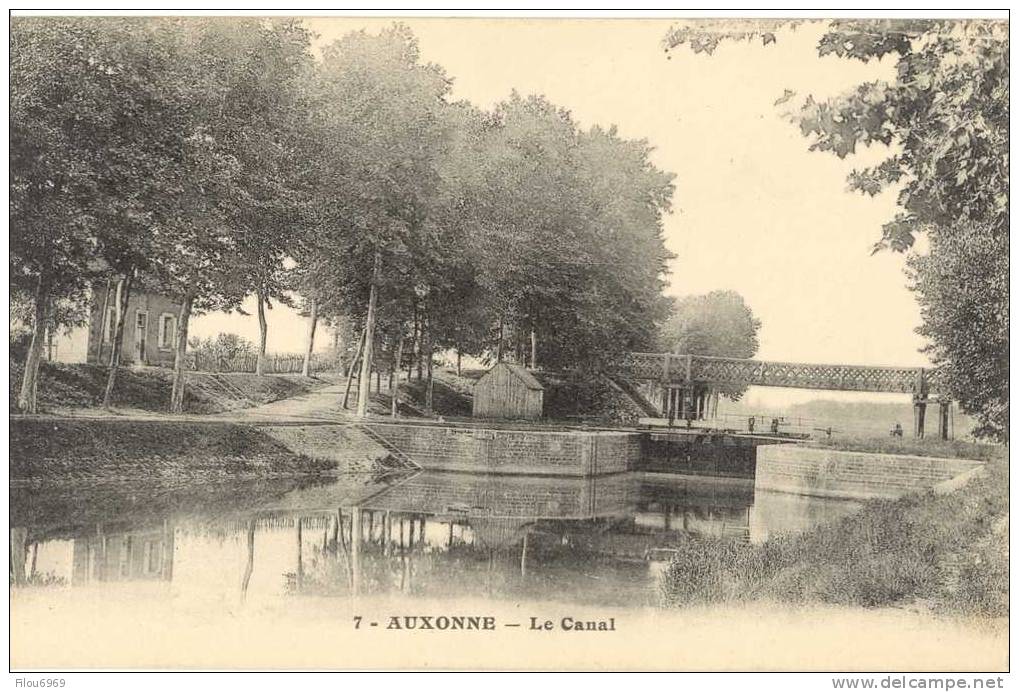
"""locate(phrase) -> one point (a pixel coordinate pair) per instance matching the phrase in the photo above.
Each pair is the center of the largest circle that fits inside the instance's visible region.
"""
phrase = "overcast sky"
(755, 211)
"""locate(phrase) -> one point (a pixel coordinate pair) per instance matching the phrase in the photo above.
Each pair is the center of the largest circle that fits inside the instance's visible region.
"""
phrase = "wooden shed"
(508, 391)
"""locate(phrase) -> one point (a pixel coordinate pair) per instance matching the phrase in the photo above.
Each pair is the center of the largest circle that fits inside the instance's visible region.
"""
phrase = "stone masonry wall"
(481, 450)
(853, 475)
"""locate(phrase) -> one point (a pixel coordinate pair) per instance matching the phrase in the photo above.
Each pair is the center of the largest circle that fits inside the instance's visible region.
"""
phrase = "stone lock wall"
(851, 475)
(485, 450)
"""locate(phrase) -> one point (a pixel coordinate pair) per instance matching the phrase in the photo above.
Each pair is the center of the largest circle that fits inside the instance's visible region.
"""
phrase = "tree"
(138, 147)
(718, 324)
(963, 289)
(945, 118)
(57, 112)
(380, 127)
(195, 252)
(569, 248)
(267, 109)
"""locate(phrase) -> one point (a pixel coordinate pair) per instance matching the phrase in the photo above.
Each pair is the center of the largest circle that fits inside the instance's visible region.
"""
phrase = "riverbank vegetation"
(925, 447)
(63, 386)
(109, 450)
(942, 553)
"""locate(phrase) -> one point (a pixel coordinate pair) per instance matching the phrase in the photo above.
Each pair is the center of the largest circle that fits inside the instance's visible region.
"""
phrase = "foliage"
(719, 323)
(962, 285)
(892, 553)
(54, 171)
(225, 347)
(945, 119)
(570, 242)
(218, 157)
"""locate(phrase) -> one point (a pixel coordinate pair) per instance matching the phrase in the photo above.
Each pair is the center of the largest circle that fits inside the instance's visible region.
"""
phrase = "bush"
(946, 550)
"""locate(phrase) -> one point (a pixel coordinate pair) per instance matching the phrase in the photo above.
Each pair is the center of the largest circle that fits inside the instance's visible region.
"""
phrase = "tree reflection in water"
(599, 541)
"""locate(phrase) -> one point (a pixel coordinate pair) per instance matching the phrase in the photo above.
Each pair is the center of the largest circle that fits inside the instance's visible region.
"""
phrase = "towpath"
(324, 404)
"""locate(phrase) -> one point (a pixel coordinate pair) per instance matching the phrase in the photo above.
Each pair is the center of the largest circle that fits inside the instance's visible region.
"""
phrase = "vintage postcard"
(510, 343)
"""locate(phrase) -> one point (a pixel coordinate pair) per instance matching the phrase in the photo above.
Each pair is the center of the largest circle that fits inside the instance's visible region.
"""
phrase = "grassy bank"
(69, 510)
(927, 447)
(102, 449)
(81, 386)
(566, 400)
(947, 553)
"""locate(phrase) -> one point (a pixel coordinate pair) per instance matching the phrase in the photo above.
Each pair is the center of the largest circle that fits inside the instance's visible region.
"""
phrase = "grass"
(926, 447)
(447, 399)
(68, 510)
(81, 386)
(565, 400)
(946, 553)
(102, 449)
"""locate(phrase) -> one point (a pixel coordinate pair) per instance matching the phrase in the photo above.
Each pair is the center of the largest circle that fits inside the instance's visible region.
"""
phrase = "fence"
(274, 363)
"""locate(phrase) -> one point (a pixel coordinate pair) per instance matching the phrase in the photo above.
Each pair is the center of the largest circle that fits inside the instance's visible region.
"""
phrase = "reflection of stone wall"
(494, 496)
(565, 453)
(854, 475)
(715, 456)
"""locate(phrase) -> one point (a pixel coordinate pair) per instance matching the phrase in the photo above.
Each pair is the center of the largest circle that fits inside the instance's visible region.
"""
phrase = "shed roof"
(522, 374)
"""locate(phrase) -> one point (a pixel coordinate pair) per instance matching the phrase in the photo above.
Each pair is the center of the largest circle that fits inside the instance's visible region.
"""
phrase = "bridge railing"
(679, 368)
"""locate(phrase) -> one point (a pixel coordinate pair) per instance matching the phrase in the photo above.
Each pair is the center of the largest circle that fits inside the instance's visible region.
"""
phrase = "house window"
(167, 330)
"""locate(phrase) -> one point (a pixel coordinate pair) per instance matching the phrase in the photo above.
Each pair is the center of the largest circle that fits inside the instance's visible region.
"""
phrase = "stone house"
(150, 330)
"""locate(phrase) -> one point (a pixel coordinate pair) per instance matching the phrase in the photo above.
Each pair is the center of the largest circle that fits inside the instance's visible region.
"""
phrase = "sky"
(754, 210)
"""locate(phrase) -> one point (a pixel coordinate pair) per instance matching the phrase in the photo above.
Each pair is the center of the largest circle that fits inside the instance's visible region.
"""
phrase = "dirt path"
(320, 405)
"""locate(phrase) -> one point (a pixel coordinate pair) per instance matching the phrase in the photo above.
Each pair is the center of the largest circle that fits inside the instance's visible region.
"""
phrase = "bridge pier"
(944, 419)
(919, 417)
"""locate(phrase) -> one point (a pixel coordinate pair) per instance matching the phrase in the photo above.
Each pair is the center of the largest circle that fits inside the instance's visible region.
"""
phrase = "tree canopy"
(224, 157)
(719, 323)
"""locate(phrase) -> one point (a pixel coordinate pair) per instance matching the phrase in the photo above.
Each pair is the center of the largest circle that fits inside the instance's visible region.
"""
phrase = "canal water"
(221, 546)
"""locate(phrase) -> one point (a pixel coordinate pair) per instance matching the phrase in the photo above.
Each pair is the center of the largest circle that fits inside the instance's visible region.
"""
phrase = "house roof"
(522, 374)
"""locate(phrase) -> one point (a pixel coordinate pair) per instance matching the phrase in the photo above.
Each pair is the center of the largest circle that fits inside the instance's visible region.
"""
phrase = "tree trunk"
(179, 361)
(413, 336)
(534, 349)
(102, 323)
(498, 346)
(352, 368)
(28, 399)
(249, 565)
(394, 389)
(118, 338)
(263, 333)
(312, 321)
(369, 339)
(459, 357)
(419, 333)
(19, 544)
(430, 353)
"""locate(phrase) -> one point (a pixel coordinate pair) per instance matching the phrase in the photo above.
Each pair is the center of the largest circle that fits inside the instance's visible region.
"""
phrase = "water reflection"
(598, 540)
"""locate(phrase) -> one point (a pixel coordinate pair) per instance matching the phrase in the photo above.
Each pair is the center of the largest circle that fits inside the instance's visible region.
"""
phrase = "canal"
(310, 573)
(601, 541)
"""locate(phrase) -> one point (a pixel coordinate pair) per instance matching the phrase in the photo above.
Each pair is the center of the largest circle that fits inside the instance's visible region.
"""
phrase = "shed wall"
(501, 394)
